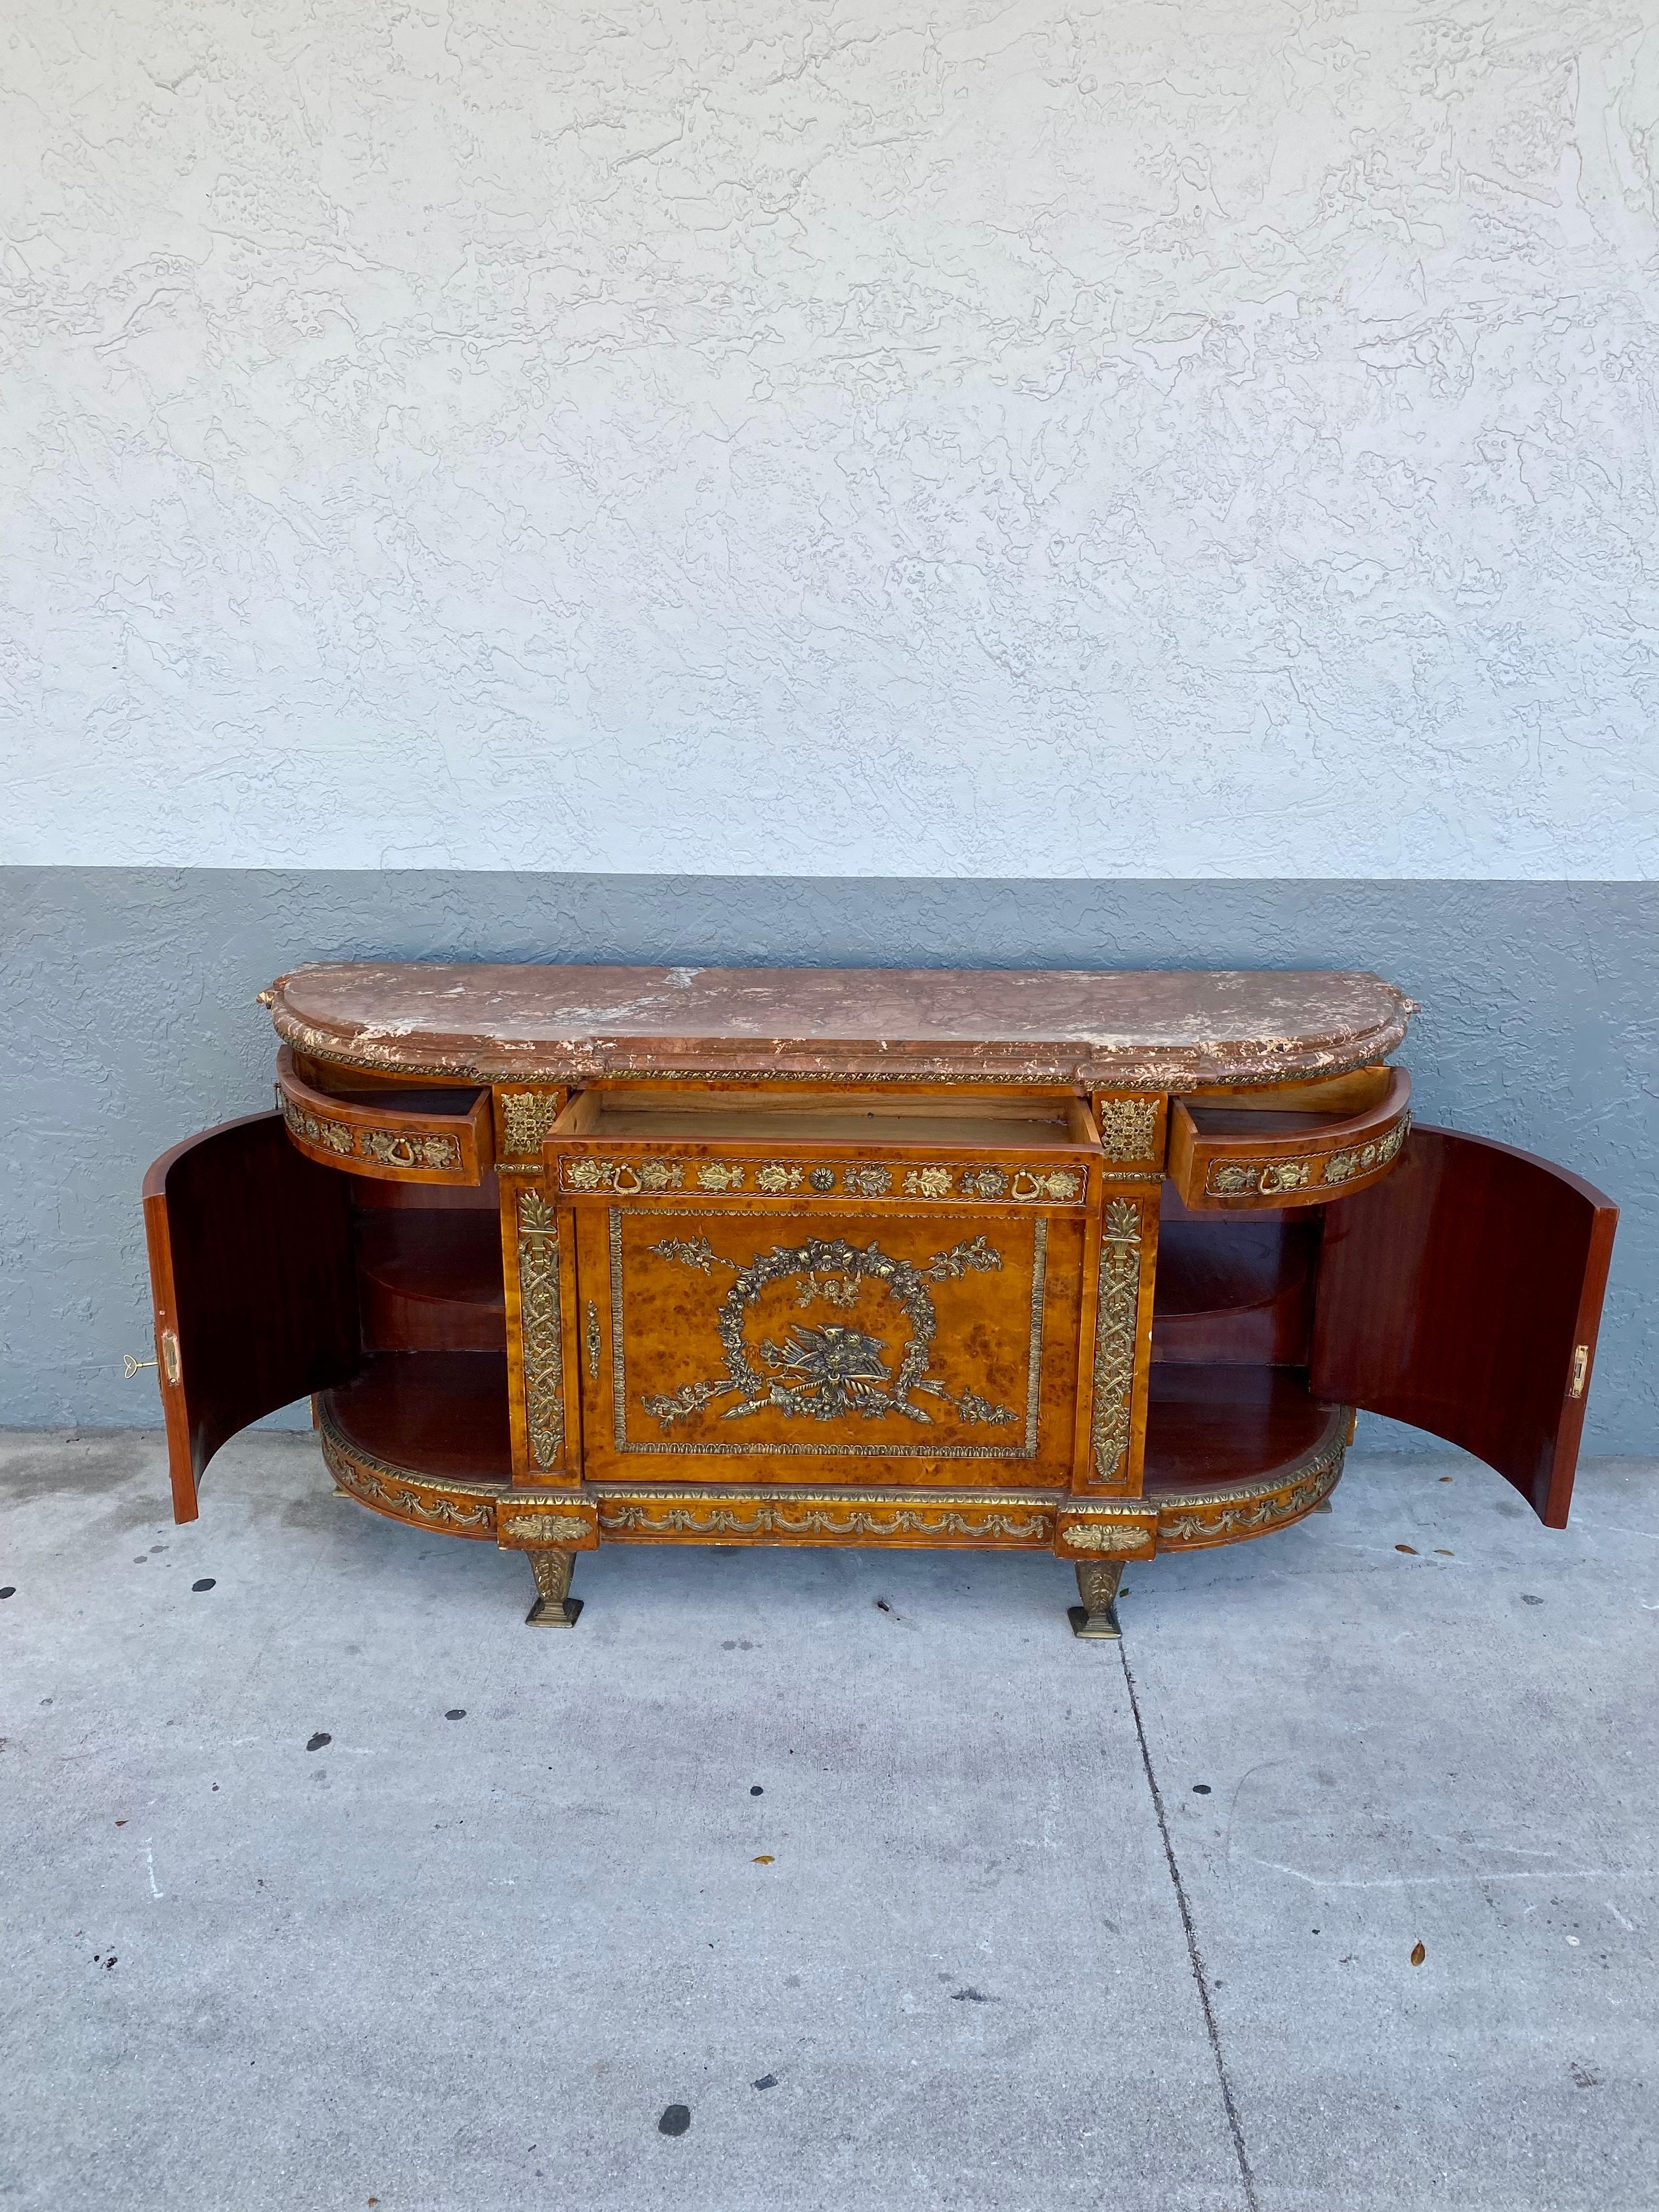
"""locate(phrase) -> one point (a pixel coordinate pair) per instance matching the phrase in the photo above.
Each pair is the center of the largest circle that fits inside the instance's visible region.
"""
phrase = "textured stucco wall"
(127, 1020)
(1212, 438)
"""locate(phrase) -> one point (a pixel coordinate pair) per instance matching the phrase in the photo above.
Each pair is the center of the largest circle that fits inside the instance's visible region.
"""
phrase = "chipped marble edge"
(1086, 1067)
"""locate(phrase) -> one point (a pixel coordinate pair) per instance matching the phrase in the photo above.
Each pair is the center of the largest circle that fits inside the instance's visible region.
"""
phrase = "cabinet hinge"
(1580, 1370)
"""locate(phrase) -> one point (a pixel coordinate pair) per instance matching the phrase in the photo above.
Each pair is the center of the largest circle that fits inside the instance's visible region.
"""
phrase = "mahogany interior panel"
(440, 1412)
(429, 1279)
(1234, 1289)
(1210, 1426)
(251, 1256)
(369, 1195)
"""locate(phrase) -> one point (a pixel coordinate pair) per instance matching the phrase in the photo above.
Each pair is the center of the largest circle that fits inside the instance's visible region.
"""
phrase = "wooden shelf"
(1235, 1292)
(1212, 1426)
(430, 1281)
(441, 1413)
(444, 1413)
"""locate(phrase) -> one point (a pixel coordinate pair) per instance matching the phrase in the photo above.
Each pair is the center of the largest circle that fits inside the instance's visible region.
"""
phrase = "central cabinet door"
(771, 1304)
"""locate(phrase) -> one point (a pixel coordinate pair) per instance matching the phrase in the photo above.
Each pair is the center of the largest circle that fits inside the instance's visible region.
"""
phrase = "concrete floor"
(1014, 1921)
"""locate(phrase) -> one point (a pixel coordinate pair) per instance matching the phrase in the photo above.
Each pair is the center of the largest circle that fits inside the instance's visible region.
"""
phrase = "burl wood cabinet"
(1098, 1265)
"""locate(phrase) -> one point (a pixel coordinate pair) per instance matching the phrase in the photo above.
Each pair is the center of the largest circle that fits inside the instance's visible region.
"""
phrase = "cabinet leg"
(554, 1607)
(1097, 1581)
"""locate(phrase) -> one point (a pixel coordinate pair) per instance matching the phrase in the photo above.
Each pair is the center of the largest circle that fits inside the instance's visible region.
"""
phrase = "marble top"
(1143, 1029)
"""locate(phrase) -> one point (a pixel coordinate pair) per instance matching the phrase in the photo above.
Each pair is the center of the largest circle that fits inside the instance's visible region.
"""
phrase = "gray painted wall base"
(128, 1014)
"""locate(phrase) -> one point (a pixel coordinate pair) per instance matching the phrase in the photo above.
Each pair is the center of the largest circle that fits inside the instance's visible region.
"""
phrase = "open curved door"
(250, 1264)
(1463, 1294)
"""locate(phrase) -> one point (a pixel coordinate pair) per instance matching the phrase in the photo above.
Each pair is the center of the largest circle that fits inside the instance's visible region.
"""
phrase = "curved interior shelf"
(430, 1280)
(445, 1414)
(1210, 1427)
(441, 1413)
(1234, 1290)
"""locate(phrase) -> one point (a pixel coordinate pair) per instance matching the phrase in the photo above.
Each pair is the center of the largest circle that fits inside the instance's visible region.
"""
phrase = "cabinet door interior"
(1462, 1294)
(250, 1250)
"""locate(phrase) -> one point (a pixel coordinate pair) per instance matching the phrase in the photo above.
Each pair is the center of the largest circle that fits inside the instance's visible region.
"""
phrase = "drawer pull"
(1262, 1178)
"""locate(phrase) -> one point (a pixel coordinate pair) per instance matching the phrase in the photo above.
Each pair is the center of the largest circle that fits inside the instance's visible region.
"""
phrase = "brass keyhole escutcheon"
(167, 1347)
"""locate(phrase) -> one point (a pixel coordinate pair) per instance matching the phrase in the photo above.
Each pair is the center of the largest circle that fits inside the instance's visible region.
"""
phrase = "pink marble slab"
(1151, 1029)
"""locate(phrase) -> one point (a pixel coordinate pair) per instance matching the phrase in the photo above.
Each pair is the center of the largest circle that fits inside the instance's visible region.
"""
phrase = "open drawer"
(636, 1143)
(1302, 1144)
(403, 1135)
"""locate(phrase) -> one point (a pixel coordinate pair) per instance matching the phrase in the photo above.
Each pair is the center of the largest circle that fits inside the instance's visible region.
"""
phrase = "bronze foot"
(554, 1607)
(1097, 1580)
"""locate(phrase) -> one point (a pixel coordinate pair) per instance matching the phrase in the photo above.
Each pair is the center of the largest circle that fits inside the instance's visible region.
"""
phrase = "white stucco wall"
(887, 436)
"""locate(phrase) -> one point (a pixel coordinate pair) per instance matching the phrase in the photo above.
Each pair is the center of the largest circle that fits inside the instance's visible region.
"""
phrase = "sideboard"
(1097, 1265)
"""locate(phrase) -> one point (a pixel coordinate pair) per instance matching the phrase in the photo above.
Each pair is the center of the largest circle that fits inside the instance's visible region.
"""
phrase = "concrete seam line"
(1246, 2177)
